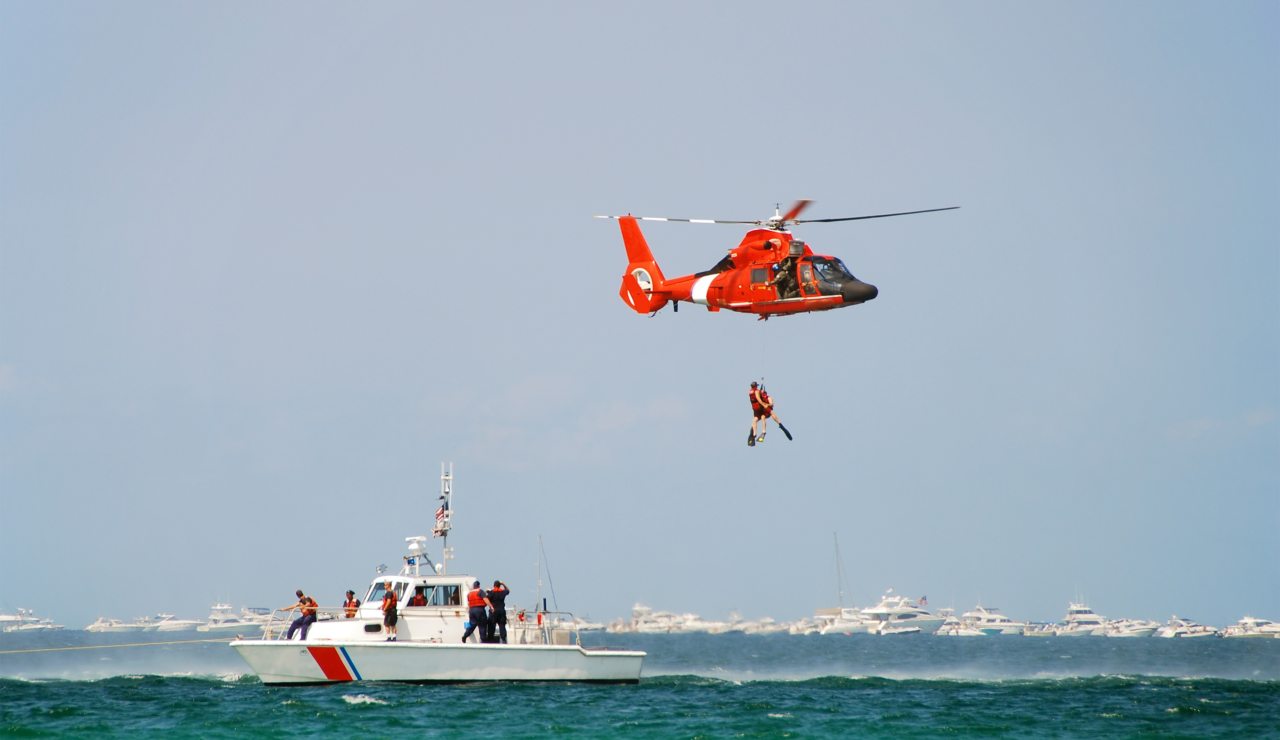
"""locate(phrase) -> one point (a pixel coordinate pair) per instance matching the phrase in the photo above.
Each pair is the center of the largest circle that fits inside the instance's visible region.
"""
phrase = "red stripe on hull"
(331, 663)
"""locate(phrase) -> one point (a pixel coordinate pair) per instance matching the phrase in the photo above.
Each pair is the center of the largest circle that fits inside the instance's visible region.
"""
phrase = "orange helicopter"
(768, 274)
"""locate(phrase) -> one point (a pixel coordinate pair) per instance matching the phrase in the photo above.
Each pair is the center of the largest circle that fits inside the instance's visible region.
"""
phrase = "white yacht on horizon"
(25, 620)
(899, 615)
(107, 624)
(1180, 627)
(1253, 627)
(1130, 628)
(1081, 621)
(990, 621)
(222, 618)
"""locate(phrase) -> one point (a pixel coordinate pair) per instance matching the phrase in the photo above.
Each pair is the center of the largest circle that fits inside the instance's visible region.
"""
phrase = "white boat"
(170, 623)
(957, 627)
(104, 624)
(25, 621)
(1130, 628)
(429, 646)
(990, 621)
(846, 621)
(897, 615)
(1253, 627)
(1081, 622)
(222, 618)
(1179, 627)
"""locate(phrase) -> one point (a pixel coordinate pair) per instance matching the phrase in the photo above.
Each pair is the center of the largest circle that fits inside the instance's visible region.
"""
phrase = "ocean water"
(709, 686)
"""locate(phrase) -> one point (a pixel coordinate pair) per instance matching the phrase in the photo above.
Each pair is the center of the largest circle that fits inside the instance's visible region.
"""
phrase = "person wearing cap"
(478, 618)
(390, 615)
(351, 604)
(306, 617)
(498, 620)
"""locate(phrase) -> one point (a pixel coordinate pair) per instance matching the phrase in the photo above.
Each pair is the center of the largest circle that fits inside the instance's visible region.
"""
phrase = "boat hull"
(316, 662)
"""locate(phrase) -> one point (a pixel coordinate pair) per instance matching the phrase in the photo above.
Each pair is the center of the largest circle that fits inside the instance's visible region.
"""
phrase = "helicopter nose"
(858, 292)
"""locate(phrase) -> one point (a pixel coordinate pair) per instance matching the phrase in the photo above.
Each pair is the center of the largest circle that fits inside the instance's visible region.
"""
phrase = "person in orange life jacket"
(306, 617)
(419, 598)
(350, 606)
(498, 620)
(389, 614)
(761, 411)
(476, 615)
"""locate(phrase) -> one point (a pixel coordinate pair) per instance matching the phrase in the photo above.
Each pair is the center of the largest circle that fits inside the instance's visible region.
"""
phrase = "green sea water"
(693, 686)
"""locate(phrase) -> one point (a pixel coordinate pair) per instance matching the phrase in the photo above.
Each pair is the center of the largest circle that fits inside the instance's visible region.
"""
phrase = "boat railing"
(524, 627)
(277, 624)
(542, 628)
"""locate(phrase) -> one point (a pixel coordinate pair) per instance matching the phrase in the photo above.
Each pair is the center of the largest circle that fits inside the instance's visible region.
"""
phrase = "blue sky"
(264, 267)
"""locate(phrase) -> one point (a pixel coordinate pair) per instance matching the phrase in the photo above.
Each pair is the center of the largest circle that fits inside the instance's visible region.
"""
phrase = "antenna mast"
(444, 515)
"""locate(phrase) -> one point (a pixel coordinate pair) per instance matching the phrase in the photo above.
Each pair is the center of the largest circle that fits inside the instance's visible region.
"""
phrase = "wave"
(1072, 683)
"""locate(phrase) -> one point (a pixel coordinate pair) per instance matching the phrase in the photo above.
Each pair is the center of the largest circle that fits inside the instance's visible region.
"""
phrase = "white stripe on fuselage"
(700, 287)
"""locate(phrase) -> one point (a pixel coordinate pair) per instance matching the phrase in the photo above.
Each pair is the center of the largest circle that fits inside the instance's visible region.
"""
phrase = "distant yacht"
(223, 619)
(1253, 627)
(898, 615)
(169, 623)
(1081, 622)
(25, 621)
(989, 621)
(1179, 627)
(103, 624)
(846, 621)
(956, 627)
(1131, 628)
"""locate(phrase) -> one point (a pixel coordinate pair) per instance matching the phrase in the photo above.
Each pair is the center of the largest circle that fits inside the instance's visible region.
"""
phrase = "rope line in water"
(101, 647)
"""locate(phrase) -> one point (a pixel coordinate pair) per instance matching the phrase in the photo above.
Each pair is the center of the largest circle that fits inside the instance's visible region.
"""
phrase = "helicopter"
(769, 273)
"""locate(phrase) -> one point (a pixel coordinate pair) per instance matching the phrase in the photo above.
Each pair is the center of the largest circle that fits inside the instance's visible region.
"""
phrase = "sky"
(264, 267)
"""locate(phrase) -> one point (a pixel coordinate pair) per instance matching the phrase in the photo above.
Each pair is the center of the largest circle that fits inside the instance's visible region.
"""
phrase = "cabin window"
(759, 274)
(444, 596)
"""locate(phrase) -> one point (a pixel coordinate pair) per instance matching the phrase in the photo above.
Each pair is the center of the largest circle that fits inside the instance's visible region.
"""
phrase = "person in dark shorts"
(498, 619)
(390, 615)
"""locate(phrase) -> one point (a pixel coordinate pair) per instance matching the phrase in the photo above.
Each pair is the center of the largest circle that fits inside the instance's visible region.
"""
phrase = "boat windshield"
(379, 589)
(832, 270)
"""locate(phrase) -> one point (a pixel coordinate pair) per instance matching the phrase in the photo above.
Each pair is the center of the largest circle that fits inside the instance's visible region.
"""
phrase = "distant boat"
(1081, 622)
(990, 621)
(1180, 627)
(898, 615)
(25, 621)
(1131, 628)
(169, 623)
(1253, 627)
(222, 618)
(104, 624)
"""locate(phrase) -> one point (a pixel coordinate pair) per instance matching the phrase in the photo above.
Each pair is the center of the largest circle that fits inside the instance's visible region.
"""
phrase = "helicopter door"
(807, 280)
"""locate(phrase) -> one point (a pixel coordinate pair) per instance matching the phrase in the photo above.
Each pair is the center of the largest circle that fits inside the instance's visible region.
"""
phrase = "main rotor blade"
(796, 209)
(682, 220)
(878, 215)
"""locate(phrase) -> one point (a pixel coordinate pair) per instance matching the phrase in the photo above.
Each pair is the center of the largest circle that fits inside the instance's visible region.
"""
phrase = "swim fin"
(784, 431)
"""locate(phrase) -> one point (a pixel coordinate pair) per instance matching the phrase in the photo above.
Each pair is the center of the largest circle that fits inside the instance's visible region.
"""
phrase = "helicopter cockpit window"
(832, 270)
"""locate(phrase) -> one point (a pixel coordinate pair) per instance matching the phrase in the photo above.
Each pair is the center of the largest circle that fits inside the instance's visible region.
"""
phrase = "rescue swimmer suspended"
(768, 274)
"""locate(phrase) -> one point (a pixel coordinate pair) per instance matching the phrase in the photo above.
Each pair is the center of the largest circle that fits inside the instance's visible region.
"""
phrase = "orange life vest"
(475, 598)
(351, 604)
(308, 606)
